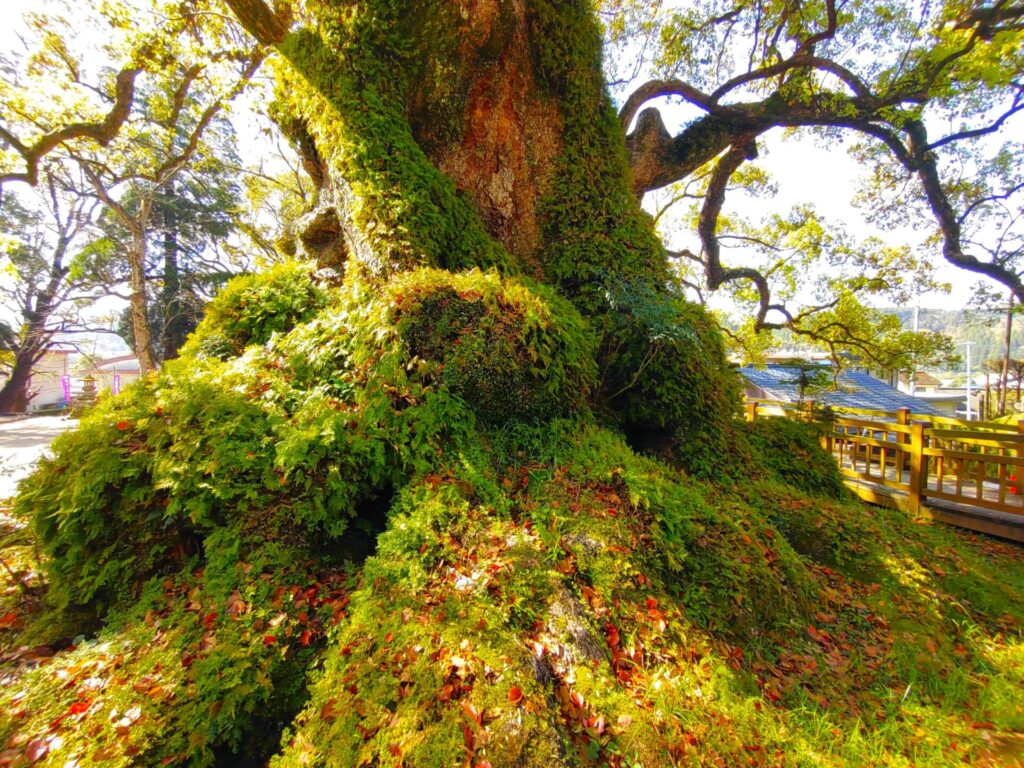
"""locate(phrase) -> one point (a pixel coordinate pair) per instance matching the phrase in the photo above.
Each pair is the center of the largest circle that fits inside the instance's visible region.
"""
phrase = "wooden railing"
(919, 457)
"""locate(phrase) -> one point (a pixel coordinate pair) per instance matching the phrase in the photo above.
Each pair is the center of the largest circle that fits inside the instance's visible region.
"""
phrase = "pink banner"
(65, 382)
(116, 386)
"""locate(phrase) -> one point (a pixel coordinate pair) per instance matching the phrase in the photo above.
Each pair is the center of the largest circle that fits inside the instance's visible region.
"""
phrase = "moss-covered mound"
(791, 452)
(509, 350)
(540, 594)
(301, 430)
(252, 308)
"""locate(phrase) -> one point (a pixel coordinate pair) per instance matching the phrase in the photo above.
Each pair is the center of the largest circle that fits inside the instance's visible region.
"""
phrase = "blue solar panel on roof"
(856, 390)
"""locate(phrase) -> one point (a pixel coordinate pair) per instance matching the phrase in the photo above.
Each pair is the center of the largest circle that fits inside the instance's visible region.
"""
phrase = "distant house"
(46, 386)
(115, 373)
(924, 383)
(855, 389)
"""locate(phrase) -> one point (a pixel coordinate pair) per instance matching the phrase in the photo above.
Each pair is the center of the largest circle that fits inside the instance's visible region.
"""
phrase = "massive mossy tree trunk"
(480, 134)
(456, 134)
(461, 404)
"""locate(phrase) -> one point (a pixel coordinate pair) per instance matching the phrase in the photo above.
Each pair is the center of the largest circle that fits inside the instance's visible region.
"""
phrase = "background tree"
(48, 277)
(184, 64)
(930, 109)
(190, 251)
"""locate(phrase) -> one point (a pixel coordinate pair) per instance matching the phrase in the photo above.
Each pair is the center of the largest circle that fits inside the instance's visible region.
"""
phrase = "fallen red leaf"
(79, 707)
(515, 695)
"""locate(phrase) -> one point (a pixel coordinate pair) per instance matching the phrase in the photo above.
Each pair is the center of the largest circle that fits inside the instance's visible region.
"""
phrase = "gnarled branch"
(102, 132)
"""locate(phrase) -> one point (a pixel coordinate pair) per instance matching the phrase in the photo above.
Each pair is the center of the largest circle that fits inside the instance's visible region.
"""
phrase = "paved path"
(22, 442)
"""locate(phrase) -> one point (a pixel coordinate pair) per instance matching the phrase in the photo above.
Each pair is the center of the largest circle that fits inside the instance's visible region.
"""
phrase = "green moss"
(352, 96)
(596, 235)
(311, 424)
(513, 351)
(668, 378)
(791, 452)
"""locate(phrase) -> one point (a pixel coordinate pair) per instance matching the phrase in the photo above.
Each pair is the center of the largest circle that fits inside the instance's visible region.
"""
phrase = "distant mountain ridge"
(985, 330)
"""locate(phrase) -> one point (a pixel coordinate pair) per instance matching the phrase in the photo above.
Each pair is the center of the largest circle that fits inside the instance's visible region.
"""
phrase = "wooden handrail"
(982, 456)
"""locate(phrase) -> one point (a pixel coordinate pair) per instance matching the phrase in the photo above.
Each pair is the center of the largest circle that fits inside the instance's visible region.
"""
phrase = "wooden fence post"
(1018, 481)
(752, 410)
(903, 418)
(918, 473)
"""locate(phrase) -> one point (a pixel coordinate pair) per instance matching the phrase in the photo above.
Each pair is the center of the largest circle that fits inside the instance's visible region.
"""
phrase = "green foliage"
(790, 452)
(303, 427)
(206, 666)
(667, 376)
(253, 307)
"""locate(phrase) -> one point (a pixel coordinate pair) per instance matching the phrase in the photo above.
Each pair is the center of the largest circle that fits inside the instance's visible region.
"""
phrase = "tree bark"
(1004, 374)
(139, 303)
(14, 396)
(175, 325)
(483, 139)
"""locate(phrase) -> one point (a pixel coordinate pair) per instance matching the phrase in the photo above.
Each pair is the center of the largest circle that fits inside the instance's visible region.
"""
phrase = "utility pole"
(969, 411)
(913, 373)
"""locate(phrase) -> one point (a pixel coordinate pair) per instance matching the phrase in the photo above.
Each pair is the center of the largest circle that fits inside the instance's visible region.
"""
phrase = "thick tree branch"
(949, 223)
(268, 25)
(988, 22)
(707, 228)
(654, 89)
(796, 62)
(102, 132)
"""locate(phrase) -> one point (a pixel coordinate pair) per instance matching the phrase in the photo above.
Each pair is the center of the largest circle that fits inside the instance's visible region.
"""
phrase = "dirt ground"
(22, 442)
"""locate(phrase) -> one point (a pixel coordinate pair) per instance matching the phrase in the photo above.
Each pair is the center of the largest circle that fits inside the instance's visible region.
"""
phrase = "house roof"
(856, 390)
(921, 378)
(120, 364)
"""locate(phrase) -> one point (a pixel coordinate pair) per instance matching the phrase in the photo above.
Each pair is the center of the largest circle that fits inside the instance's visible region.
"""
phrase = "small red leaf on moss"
(123, 424)
(79, 707)
(515, 695)
(473, 712)
(269, 640)
(305, 637)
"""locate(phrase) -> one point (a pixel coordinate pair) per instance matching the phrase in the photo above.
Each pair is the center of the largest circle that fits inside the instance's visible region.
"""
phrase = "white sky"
(805, 171)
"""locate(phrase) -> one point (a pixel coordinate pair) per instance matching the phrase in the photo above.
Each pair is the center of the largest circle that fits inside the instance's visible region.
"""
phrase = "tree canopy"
(925, 95)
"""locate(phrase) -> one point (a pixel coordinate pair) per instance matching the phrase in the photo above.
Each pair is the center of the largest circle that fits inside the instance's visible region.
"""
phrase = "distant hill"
(984, 329)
